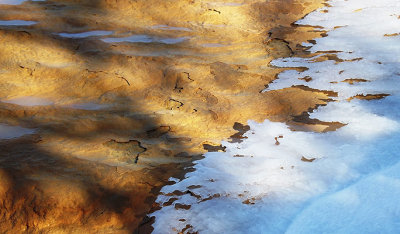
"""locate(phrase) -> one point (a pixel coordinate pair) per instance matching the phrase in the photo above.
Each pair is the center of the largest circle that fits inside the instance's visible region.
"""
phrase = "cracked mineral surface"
(101, 102)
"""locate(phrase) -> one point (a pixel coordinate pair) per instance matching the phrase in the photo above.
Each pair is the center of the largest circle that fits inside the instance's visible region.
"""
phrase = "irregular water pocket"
(213, 45)
(17, 2)
(227, 4)
(9, 132)
(145, 39)
(11, 2)
(16, 22)
(29, 101)
(88, 106)
(166, 27)
(86, 34)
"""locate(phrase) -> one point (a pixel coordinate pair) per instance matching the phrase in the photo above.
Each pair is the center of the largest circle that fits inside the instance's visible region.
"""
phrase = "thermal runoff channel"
(343, 181)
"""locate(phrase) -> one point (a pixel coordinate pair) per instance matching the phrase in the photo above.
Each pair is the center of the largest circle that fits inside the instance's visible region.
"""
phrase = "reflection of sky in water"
(145, 39)
(11, 2)
(170, 28)
(38, 101)
(228, 4)
(354, 183)
(17, 2)
(86, 34)
(213, 45)
(8, 132)
(16, 22)
(88, 106)
(29, 101)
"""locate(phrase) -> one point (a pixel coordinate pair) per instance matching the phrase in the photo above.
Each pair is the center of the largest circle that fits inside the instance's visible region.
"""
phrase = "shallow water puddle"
(18, 2)
(86, 34)
(9, 132)
(88, 106)
(11, 2)
(170, 28)
(16, 23)
(145, 39)
(29, 101)
(228, 4)
(213, 45)
(346, 181)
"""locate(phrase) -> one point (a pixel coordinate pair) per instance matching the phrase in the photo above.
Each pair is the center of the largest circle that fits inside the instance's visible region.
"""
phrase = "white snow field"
(352, 186)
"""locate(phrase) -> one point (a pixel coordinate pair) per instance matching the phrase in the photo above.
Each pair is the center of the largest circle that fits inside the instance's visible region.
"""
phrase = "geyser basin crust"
(161, 104)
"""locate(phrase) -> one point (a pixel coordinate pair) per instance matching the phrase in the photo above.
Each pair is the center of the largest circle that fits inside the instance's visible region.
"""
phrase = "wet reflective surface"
(16, 23)
(18, 2)
(88, 106)
(170, 28)
(145, 39)
(9, 132)
(29, 101)
(86, 34)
